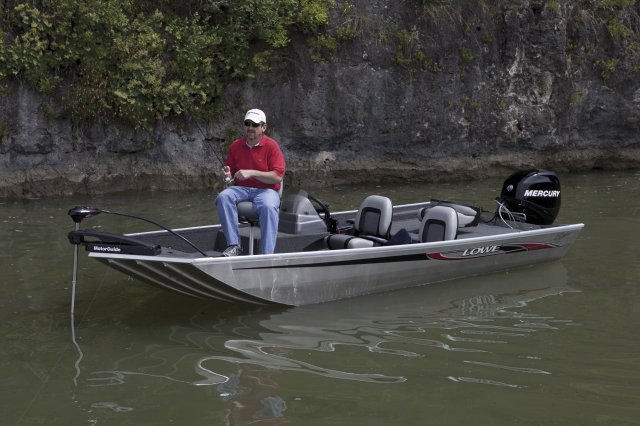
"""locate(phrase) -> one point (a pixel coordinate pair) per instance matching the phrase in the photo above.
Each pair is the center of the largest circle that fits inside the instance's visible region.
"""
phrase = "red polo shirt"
(266, 156)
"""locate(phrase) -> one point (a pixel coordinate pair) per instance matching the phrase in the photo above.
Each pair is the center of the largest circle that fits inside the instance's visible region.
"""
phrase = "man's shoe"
(232, 251)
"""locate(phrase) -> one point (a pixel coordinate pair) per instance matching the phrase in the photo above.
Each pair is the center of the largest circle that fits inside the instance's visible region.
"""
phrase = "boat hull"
(303, 278)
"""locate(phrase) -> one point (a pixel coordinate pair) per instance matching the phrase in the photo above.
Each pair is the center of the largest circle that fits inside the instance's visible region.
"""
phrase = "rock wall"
(420, 93)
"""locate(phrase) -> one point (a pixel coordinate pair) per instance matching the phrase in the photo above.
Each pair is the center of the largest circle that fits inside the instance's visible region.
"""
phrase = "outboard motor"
(533, 194)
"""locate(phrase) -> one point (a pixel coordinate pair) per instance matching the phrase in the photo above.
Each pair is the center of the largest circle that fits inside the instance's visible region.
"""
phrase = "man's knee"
(268, 204)
(223, 198)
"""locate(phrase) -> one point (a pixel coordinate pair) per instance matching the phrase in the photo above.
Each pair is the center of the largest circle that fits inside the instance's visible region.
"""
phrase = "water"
(553, 344)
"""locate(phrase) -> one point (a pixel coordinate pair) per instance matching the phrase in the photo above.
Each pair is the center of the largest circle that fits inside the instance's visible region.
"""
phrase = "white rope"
(502, 208)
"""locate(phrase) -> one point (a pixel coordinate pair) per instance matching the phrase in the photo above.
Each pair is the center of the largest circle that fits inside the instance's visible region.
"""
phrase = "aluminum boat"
(323, 256)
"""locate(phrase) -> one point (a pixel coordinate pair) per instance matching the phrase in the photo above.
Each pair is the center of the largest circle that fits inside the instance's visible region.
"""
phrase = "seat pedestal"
(246, 213)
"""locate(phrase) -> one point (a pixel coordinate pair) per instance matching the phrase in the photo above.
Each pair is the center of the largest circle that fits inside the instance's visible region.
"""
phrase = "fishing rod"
(208, 139)
(228, 180)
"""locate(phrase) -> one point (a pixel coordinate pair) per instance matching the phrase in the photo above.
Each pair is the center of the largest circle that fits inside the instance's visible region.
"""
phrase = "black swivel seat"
(247, 214)
(371, 227)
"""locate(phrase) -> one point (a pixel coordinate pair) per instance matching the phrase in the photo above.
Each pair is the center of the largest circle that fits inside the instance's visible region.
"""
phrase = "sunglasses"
(252, 124)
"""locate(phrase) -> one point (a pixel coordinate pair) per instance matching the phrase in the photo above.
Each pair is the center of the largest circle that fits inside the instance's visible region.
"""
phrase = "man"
(256, 166)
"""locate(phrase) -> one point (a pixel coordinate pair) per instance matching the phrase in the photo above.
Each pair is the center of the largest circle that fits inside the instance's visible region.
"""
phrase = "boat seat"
(440, 223)
(467, 215)
(372, 225)
(247, 214)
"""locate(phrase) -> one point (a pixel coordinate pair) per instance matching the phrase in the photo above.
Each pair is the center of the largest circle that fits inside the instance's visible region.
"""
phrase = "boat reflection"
(240, 351)
(460, 316)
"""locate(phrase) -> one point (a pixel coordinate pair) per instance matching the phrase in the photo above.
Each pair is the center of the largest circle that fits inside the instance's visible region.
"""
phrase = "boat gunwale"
(353, 252)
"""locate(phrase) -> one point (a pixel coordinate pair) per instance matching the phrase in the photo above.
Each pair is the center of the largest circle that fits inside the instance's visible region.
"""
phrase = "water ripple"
(484, 382)
(510, 368)
(469, 318)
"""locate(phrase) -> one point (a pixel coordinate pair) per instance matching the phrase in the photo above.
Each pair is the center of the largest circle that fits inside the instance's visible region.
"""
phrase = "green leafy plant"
(406, 42)
(607, 67)
(617, 3)
(140, 61)
(466, 55)
(618, 30)
(576, 98)
(487, 38)
(320, 45)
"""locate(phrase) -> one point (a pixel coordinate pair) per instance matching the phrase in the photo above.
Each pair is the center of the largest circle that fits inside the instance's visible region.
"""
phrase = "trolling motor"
(78, 213)
(106, 242)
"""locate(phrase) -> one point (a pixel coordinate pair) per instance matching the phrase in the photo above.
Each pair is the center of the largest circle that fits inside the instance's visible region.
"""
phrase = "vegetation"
(618, 30)
(607, 67)
(466, 55)
(321, 44)
(576, 98)
(554, 6)
(617, 3)
(406, 42)
(140, 61)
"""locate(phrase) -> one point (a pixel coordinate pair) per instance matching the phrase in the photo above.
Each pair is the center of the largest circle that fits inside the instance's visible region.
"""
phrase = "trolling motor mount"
(108, 242)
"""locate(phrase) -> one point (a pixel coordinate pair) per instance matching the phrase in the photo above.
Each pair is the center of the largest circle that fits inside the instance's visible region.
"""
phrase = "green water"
(553, 344)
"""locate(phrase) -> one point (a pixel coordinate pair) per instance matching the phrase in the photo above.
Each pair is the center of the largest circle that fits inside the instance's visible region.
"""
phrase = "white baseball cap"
(256, 115)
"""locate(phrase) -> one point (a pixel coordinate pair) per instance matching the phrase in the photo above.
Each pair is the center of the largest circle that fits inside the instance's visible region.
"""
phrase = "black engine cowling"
(534, 193)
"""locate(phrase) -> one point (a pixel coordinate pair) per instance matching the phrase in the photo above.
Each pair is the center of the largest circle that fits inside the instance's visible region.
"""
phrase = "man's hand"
(226, 170)
(266, 177)
(244, 174)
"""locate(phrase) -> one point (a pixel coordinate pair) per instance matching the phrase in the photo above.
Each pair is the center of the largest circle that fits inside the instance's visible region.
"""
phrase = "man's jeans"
(266, 202)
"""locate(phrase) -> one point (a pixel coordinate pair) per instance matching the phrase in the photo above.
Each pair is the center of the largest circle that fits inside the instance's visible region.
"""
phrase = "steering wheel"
(322, 209)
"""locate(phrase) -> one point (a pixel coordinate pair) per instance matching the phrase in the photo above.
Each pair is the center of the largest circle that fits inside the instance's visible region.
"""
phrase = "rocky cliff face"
(418, 92)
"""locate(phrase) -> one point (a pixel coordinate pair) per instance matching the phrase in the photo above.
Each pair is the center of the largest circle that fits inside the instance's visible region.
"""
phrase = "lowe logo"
(480, 250)
(541, 193)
